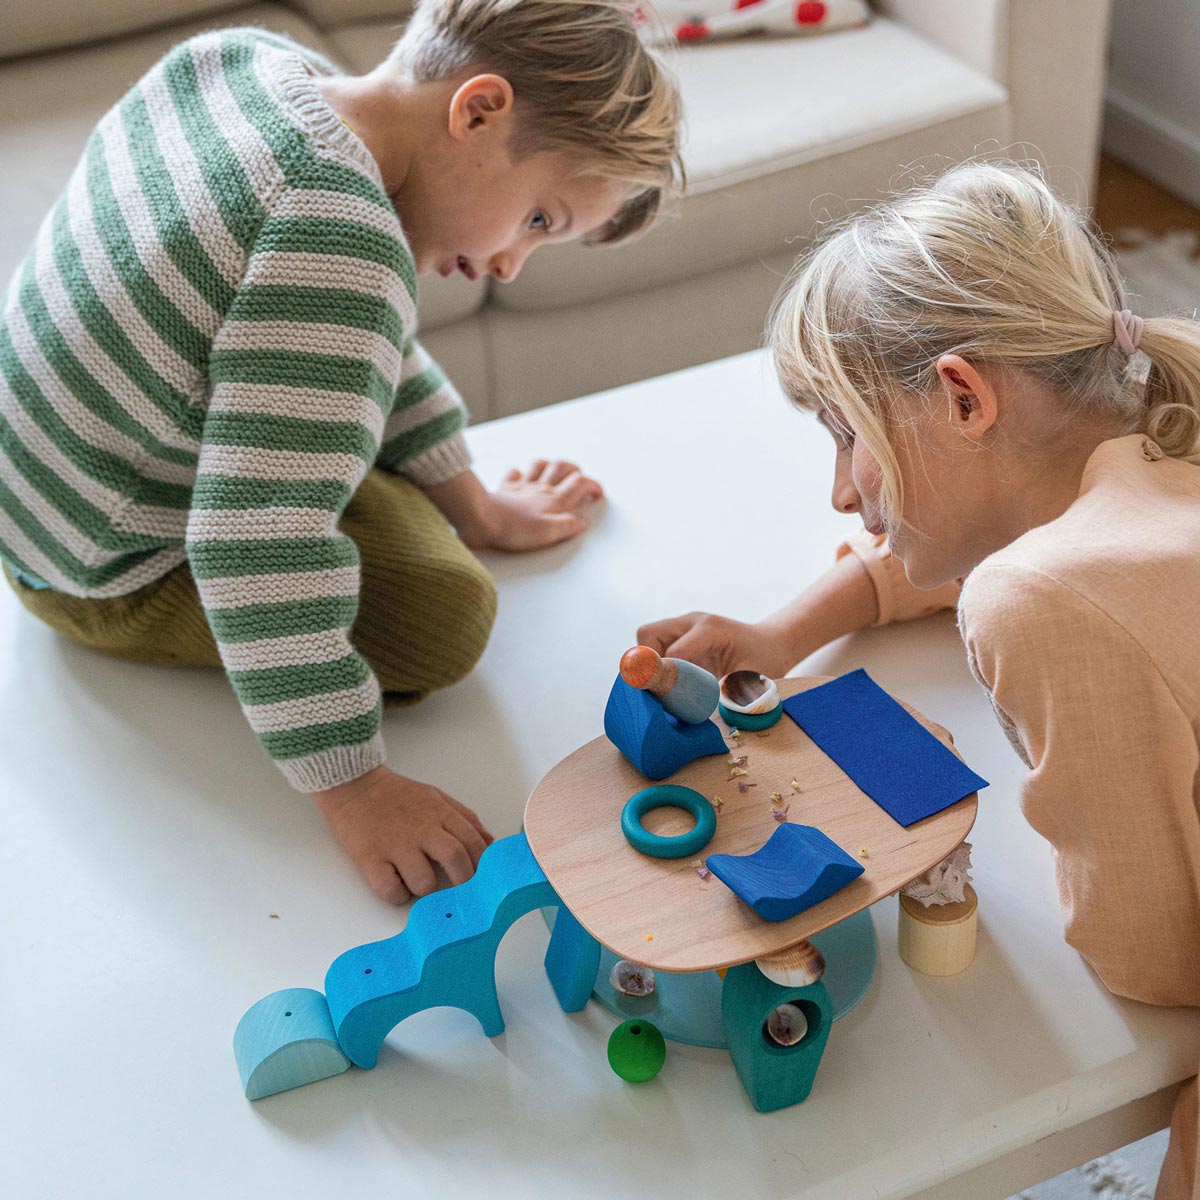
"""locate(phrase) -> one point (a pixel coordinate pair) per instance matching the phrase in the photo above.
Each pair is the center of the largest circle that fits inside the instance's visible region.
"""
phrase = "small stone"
(862, 853)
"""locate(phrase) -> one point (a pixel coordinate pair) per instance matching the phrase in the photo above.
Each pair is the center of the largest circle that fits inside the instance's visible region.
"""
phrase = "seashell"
(631, 979)
(787, 1025)
(749, 692)
(797, 966)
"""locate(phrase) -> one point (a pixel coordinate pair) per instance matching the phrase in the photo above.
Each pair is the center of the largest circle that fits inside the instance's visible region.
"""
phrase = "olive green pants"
(426, 604)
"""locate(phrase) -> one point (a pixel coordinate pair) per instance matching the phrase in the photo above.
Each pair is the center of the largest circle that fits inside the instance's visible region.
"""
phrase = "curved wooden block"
(286, 1040)
(797, 867)
(655, 743)
(445, 956)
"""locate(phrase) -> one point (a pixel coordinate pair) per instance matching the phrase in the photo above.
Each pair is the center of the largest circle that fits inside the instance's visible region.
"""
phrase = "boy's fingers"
(576, 489)
(458, 827)
(385, 882)
(512, 475)
(416, 870)
(558, 471)
(448, 851)
(471, 816)
(559, 527)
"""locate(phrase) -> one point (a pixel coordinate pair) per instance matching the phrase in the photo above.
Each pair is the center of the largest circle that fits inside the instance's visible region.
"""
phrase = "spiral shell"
(631, 979)
(797, 966)
(787, 1025)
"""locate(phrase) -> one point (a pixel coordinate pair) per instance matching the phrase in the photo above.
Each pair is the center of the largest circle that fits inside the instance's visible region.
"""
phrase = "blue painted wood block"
(655, 742)
(798, 867)
(286, 1040)
(445, 956)
(774, 1076)
(572, 961)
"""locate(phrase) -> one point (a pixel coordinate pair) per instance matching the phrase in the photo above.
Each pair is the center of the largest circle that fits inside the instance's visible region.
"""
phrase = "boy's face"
(490, 214)
(467, 206)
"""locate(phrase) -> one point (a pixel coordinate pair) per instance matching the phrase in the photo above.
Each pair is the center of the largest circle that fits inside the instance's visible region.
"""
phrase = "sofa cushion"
(762, 113)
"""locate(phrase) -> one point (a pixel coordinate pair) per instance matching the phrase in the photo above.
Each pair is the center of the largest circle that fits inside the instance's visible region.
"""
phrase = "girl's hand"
(718, 644)
(541, 506)
(399, 832)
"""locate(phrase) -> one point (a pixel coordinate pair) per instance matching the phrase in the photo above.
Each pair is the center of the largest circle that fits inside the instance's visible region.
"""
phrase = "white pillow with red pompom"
(703, 20)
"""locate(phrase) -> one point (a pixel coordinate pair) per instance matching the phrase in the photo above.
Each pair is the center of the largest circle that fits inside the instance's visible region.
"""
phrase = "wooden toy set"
(703, 909)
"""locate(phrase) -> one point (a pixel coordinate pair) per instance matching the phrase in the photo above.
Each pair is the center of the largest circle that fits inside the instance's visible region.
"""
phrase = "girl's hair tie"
(1127, 330)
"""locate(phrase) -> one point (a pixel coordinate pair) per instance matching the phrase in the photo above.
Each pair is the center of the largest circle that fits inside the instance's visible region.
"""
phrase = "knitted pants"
(426, 604)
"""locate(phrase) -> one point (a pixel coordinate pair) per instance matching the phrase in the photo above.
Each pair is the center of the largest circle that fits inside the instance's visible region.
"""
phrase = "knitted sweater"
(209, 344)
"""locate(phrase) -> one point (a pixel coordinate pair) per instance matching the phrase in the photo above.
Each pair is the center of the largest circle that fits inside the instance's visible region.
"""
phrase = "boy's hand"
(399, 831)
(541, 506)
(718, 644)
(529, 510)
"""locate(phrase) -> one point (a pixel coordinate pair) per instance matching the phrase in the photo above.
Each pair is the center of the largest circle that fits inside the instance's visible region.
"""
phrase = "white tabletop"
(147, 842)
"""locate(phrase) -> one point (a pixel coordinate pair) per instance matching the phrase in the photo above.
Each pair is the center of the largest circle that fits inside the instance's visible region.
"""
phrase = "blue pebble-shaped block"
(798, 867)
(286, 1040)
(655, 742)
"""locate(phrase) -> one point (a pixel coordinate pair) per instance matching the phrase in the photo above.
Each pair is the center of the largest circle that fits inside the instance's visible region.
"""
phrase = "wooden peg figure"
(686, 691)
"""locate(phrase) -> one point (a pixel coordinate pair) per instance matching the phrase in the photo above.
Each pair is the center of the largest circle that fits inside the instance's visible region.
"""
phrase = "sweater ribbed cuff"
(317, 772)
(439, 463)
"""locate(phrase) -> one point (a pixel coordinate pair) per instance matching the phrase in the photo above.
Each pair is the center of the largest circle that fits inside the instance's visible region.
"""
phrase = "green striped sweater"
(207, 347)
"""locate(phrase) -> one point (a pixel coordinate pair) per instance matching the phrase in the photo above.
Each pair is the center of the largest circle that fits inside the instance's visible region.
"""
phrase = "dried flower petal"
(745, 787)
(632, 979)
(862, 853)
(702, 872)
(740, 761)
(794, 786)
(787, 1025)
(776, 796)
(762, 733)
(780, 814)
(717, 802)
(734, 772)
(734, 733)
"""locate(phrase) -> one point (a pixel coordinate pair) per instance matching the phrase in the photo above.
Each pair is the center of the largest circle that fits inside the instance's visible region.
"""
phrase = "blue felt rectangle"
(888, 753)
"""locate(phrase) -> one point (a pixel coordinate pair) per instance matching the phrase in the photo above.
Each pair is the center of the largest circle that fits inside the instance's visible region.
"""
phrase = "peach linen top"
(1085, 632)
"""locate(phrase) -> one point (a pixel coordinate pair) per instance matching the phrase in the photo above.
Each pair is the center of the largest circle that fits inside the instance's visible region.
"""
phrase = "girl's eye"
(539, 220)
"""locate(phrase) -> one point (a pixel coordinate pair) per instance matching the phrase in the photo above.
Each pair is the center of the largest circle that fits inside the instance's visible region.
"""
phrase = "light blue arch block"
(446, 954)
(286, 1040)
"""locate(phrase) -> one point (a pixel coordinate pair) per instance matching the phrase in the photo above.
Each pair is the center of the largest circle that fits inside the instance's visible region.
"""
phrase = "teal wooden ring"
(668, 795)
(750, 721)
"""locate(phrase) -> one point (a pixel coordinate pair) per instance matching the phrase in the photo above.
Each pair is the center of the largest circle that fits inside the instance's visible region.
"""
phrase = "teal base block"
(687, 1008)
(750, 722)
(286, 1040)
(774, 1076)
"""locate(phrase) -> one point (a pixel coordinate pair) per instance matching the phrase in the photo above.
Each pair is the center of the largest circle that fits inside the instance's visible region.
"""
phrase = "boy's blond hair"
(585, 86)
(987, 263)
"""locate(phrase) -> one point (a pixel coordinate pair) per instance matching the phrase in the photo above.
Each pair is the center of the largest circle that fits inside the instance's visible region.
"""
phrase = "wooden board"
(659, 912)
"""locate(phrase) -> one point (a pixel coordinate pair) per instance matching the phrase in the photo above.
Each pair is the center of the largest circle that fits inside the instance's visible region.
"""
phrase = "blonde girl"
(970, 350)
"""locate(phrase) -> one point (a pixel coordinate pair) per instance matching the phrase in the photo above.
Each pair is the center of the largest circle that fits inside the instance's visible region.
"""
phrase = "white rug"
(1163, 278)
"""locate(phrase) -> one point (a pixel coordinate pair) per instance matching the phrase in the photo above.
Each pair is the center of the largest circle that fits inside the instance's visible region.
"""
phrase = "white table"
(147, 843)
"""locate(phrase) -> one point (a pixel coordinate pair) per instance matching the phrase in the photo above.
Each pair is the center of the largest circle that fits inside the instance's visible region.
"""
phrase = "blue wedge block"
(798, 867)
(656, 743)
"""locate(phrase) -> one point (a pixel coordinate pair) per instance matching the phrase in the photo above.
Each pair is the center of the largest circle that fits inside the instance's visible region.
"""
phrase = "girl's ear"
(481, 102)
(974, 404)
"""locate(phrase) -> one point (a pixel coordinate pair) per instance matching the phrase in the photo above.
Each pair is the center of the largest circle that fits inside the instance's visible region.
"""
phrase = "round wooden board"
(659, 912)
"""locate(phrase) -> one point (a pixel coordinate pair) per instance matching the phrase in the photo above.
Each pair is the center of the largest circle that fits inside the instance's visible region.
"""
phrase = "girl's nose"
(845, 497)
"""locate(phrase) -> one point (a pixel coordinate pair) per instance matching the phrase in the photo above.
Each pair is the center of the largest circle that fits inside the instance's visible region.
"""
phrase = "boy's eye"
(539, 220)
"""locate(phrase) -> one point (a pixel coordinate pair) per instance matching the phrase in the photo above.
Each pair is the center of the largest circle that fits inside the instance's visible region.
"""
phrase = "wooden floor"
(1126, 200)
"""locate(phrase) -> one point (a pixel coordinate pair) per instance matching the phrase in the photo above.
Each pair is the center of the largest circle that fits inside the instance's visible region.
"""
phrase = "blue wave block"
(286, 1040)
(886, 751)
(445, 955)
(655, 742)
(798, 867)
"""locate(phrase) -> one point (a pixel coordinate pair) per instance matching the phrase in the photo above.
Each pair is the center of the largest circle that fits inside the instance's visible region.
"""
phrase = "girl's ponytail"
(1172, 388)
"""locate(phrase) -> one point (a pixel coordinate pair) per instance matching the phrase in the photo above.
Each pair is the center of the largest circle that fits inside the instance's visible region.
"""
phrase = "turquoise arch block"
(774, 1076)
(445, 956)
(286, 1040)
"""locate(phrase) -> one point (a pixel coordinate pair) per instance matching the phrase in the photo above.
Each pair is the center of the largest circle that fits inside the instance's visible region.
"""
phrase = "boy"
(219, 439)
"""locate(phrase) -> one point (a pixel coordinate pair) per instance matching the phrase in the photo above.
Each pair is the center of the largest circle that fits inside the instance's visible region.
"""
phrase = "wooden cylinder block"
(940, 939)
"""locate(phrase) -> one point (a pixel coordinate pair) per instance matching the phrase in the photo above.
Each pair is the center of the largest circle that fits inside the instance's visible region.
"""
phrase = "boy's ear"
(973, 402)
(482, 101)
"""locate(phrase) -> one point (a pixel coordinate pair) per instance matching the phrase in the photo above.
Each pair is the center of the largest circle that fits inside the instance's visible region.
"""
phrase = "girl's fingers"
(536, 469)
(658, 635)
(512, 475)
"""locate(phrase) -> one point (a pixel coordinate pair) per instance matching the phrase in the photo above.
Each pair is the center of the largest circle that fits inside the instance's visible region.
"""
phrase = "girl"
(969, 350)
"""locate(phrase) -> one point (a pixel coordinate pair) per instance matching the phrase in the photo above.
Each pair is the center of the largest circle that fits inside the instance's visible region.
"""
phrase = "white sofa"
(782, 134)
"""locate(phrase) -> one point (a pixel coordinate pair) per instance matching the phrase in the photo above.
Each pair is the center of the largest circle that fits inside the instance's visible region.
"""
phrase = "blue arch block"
(286, 1040)
(798, 867)
(656, 743)
(445, 956)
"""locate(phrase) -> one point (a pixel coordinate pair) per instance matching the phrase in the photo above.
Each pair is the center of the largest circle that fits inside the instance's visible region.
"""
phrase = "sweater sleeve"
(423, 439)
(898, 600)
(302, 372)
(1112, 764)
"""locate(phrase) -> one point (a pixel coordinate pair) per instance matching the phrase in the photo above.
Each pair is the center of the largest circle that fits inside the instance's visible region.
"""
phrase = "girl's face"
(946, 526)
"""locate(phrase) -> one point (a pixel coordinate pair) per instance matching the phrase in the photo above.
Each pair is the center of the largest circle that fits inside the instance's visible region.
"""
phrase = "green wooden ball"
(636, 1050)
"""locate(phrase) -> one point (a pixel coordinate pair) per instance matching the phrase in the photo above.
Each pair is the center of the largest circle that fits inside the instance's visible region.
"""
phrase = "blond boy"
(220, 442)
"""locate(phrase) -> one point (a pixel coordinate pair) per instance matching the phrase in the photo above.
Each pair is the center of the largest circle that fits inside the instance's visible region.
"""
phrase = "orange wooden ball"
(638, 666)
